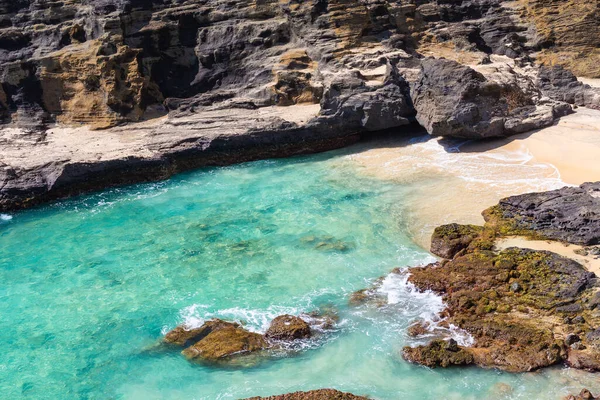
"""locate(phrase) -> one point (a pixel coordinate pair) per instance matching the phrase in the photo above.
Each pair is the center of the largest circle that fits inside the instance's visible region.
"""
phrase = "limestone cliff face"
(105, 62)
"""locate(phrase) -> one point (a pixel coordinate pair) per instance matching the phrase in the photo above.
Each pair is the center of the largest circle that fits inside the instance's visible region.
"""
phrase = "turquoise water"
(89, 286)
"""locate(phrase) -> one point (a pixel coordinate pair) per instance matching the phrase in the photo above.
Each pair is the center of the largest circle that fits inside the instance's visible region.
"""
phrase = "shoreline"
(452, 180)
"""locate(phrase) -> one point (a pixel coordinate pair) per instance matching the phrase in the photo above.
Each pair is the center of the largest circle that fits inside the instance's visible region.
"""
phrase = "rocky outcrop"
(568, 33)
(183, 84)
(454, 100)
(560, 84)
(523, 309)
(321, 394)
(570, 214)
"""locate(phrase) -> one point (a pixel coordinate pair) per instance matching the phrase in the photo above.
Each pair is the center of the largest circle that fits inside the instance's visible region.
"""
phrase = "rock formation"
(524, 309)
(179, 84)
(219, 341)
(570, 215)
(321, 394)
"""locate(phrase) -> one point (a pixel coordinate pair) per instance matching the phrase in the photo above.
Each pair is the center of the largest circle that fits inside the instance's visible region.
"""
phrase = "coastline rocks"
(447, 240)
(454, 100)
(321, 394)
(514, 331)
(570, 214)
(288, 327)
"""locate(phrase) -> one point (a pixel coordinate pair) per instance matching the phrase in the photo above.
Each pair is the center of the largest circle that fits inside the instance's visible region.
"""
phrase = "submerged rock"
(321, 394)
(288, 327)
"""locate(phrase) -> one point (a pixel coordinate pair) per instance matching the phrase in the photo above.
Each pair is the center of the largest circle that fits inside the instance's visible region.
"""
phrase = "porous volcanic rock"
(321, 394)
(570, 214)
(180, 84)
(454, 100)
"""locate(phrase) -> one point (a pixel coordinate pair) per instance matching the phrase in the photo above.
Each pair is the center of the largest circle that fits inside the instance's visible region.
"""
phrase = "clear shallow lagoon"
(89, 286)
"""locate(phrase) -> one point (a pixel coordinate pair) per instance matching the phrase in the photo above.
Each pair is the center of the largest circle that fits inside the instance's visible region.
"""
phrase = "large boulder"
(224, 343)
(185, 337)
(288, 327)
(448, 240)
(561, 84)
(454, 100)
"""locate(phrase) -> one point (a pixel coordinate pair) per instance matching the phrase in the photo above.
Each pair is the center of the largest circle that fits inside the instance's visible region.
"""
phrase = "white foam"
(414, 304)
(5, 217)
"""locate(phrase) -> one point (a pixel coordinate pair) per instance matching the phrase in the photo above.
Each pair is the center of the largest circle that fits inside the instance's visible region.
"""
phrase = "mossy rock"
(185, 337)
(288, 327)
(438, 353)
(448, 240)
(321, 394)
(224, 343)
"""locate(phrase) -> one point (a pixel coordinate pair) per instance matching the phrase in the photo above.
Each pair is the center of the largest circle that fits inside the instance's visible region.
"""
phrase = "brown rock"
(583, 395)
(321, 394)
(224, 343)
(181, 336)
(288, 327)
(447, 240)
(438, 353)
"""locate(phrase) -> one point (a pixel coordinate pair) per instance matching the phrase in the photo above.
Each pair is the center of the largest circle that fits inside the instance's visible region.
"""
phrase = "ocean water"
(89, 286)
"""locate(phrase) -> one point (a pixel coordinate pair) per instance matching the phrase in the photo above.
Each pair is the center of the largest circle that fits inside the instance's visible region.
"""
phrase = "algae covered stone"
(448, 240)
(226, 342)
(288, 327)
(321, 394)
(185, 337)
(438, 353)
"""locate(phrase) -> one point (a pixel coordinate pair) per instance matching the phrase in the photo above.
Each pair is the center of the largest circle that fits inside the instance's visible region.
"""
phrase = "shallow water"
(89, 286)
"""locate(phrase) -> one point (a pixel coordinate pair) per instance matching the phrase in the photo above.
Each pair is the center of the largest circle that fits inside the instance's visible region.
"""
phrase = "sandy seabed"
(454, 181)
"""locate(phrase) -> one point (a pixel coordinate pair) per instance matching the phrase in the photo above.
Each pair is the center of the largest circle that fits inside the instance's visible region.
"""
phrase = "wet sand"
(454, 181)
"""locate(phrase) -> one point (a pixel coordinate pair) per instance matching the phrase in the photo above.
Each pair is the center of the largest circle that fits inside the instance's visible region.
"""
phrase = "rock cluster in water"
(219, 341)
(524, 309)
(321, 394)
(218, 82)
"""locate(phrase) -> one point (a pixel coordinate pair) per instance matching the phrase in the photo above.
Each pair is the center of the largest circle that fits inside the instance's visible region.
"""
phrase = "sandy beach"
(454, 181)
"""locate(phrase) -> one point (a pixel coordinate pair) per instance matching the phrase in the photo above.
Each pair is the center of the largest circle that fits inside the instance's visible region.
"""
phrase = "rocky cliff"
(175, 84)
